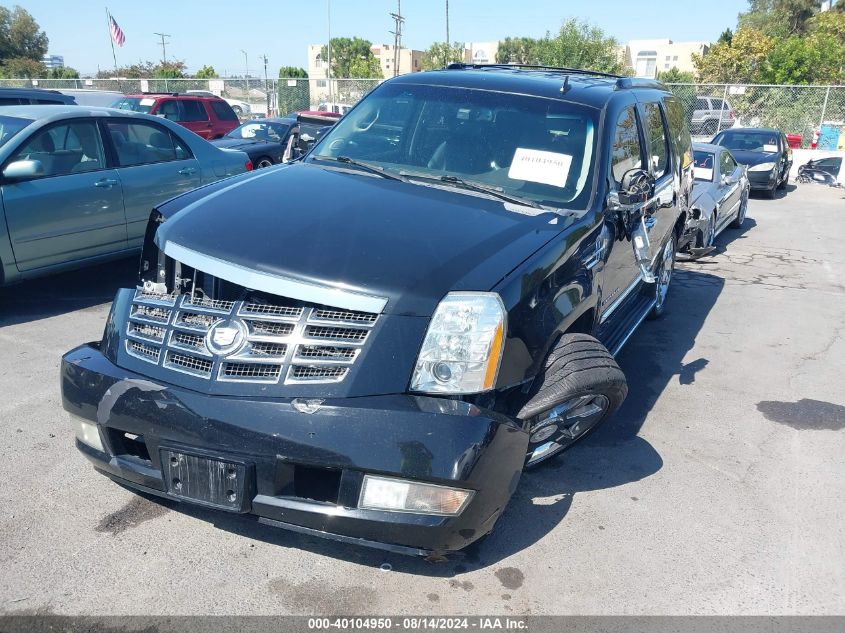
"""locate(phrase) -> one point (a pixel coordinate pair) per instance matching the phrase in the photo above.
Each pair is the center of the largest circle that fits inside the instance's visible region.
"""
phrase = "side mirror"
(23, 170)
(637, 186)
(727, 180)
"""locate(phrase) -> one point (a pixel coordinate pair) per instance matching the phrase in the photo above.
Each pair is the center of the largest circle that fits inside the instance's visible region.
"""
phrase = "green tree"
(292, 72)
(22, 67)
(169, 70)
(830, 23)
(578, 44)
(810, 59)
(741, 61)
(352, 58)
(63, 72)
(441, 54)
(726, 37)
(20, 35)
(675, 76)
(141, 70)
(518, 50)
(779, 18)
(206, 72)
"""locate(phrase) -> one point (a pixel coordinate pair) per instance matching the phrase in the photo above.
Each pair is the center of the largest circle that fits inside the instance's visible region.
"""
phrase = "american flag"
(117, 35)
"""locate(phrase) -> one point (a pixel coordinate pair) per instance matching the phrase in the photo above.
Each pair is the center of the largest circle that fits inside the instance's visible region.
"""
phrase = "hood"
(754, 158)
(241, 143)
(409, 244)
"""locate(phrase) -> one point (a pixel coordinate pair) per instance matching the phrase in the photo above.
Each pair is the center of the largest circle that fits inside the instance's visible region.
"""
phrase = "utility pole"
(447, 25)
(398, 21)
(163, 46)
(246, 75)
(266, 83)
(329, 51)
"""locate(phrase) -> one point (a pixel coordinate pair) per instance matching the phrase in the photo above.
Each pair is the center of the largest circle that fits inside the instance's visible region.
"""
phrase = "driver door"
(621, 274)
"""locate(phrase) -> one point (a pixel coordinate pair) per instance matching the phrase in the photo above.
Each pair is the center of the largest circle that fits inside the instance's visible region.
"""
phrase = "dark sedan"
(765, 152)
(275, 140)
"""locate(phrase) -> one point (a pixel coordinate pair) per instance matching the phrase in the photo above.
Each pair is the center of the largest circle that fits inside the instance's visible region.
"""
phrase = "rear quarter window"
(223, 110)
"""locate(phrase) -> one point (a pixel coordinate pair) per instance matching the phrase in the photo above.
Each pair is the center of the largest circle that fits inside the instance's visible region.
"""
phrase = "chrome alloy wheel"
(264, 162)
(563, 425)
(664, 274)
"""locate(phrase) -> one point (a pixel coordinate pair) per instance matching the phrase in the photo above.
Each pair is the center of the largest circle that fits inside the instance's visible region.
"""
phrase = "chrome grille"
(287, 342)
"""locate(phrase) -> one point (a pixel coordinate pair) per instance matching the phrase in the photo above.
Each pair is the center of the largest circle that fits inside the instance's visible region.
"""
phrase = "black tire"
(238, 111)
(664, 277)
(770, 193)
(739, 220)
(263, 161)
(579, 369)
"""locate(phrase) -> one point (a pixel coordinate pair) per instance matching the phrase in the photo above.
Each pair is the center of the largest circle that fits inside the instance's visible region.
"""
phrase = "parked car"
(78, 183)
(33, 96)
(334, 108)
(275, 140)
(390, 329)
(711, 114)
(764, 151)
(209, 117)
(241, 108)
(719, 196)
(91, 97)
(826, 171)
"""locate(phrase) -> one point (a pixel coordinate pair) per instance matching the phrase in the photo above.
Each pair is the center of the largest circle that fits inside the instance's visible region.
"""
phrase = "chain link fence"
(276, 97)
(709, 108)
(795, 110)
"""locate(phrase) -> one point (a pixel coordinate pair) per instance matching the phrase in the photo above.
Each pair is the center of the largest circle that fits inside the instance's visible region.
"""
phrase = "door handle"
(188, 171)
(108, 183)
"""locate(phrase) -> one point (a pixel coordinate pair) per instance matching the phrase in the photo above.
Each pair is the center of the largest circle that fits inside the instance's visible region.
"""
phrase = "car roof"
(767, 130)
(708, 147)
(562, 84)
(51, 112)
(170, 95)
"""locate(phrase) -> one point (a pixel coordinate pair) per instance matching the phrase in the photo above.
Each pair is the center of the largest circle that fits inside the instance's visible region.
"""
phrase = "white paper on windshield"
(147, 102)
(534, 165)
(703, 173)
(770, 148)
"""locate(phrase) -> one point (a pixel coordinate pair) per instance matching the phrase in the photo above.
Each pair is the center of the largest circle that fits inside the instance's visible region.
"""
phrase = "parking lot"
(717, 489)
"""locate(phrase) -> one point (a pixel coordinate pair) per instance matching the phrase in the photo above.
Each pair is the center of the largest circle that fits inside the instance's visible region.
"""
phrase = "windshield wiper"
(373, 169)
(496, 192)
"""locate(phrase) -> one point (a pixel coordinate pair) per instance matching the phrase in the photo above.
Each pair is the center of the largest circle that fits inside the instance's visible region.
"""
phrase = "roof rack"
(556, 69)
(625, 83)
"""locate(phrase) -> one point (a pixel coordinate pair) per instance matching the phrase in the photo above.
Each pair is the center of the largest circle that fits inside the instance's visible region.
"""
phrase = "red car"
(210, 117)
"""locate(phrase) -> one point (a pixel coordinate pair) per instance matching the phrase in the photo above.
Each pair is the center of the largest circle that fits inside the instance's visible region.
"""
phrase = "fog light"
(89, 434)
(398, 495)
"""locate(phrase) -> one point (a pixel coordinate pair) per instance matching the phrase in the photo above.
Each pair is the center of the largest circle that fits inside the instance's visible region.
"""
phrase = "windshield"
(9, 126)
(260, 131)
(531, 147)
(746, 141)
(136, 104)
(703, 165)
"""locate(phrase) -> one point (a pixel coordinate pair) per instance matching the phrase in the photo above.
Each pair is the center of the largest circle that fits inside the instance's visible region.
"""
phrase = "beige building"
(649, 57)
(409, 61)
(480, 52)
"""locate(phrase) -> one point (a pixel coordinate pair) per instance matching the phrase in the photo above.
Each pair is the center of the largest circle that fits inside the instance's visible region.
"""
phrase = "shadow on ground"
(65, 292)
(613, 456)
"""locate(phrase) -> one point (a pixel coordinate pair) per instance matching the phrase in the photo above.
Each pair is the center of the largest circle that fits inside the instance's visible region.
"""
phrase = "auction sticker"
(534, 165)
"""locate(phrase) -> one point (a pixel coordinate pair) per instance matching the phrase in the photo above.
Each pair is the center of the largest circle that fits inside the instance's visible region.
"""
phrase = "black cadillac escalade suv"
(373, 342)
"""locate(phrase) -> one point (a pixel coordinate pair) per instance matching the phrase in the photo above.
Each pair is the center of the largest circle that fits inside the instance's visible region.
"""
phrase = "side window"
(194, 111)
(65, 149)
(727, 164)
(11, 101)
(169, 110)
(701, 104)
(627, 153)
(138, 143)
(657, 139)
(678, 130)
(223, 111)
(716, 104)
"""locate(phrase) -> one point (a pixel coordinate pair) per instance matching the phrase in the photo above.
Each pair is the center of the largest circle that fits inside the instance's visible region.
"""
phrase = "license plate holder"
(205, 480)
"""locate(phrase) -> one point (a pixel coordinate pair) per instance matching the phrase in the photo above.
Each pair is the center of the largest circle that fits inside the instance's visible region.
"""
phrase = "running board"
(635, 313)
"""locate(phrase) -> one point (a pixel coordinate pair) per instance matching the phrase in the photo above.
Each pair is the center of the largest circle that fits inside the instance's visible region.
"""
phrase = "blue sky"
(213, 32)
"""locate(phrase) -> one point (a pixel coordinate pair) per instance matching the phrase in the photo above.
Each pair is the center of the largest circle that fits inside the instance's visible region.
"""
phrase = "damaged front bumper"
(297, 464)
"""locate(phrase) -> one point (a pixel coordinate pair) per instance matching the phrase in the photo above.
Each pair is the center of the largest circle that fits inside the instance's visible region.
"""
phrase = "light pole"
(266, 82)
(246, 76)
(329, 52)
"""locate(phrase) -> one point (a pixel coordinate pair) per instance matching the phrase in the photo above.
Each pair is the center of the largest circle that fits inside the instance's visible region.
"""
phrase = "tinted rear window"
(136, 104)
(223, 111)
(194, 111)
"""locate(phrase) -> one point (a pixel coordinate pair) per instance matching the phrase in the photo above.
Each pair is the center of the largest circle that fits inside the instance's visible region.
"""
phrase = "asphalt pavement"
(717, 489)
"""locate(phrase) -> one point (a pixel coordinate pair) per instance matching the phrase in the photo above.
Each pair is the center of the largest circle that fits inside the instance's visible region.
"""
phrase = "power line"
(398, 21)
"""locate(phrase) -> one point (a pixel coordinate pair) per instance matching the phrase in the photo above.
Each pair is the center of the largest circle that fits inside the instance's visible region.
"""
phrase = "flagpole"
(111, 39)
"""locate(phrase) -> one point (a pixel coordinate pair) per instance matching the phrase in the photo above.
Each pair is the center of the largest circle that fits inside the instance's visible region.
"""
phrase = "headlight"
(401, 495)
(463, 345)
(762, 167)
